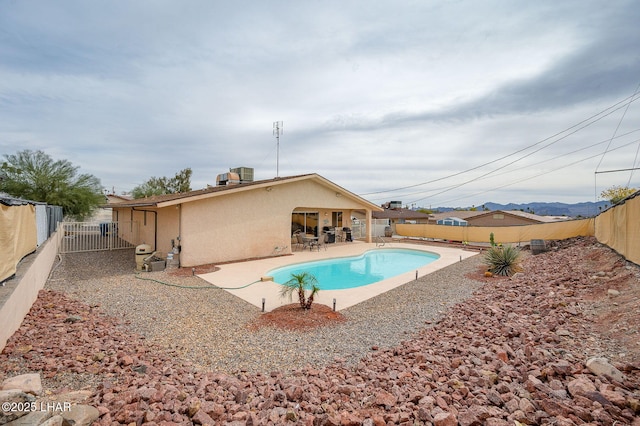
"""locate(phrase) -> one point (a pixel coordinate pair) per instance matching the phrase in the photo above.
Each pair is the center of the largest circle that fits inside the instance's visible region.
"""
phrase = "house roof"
(9, 200)
(470, 215)
(537, 217)
(113, 198)
(461, 214)
(452, 218)
(399, 214)
(212, 191)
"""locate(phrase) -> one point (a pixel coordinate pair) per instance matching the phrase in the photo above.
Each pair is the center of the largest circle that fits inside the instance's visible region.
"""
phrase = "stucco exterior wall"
(253, 223)
(168, 226)
(23, 289)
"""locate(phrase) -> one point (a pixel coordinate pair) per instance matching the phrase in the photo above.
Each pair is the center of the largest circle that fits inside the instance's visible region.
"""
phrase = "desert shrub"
(503, 260)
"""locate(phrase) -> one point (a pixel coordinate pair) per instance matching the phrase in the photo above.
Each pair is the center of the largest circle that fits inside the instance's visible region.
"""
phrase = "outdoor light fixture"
(334, 304)
(263, 300)
(338, 194)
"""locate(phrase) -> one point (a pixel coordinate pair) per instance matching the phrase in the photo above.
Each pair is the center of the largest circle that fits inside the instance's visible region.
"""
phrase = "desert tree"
(616, 193)
(181, 182)
(35, 176)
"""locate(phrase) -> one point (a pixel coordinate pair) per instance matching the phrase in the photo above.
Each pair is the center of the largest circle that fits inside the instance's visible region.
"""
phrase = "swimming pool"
(357, 271)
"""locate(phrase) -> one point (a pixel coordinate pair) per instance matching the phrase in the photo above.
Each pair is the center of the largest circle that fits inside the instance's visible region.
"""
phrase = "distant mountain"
(548, 209)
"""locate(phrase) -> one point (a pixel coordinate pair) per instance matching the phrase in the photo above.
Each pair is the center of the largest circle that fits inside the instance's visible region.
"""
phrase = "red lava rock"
(515, 351)
(385, 399)
(581, 386)
(202, 418)
(445, 419)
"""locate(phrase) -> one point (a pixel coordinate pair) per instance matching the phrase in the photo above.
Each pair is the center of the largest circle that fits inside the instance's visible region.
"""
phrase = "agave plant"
(300, 283)
(503, 260)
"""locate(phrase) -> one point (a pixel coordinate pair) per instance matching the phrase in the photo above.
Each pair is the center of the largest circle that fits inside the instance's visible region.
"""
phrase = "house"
(395, 214)
(452, 221)
(104, 213)
(401, 215)
(240, 221)
(489, 218)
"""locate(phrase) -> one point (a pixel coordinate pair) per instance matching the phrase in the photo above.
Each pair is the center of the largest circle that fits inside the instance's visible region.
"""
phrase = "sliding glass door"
(305, 222)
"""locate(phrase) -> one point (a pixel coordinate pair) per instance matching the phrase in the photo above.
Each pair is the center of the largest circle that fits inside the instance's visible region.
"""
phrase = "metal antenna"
(278, 129)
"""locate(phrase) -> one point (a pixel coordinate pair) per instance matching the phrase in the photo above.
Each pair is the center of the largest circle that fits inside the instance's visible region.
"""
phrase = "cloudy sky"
(433, 103)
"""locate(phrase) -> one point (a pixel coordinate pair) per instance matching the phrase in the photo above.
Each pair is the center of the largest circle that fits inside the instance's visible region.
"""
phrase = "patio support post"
(369, 239)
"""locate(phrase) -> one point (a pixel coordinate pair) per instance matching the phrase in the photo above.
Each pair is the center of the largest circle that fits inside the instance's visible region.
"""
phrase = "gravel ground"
(524, 350)
(209, 327)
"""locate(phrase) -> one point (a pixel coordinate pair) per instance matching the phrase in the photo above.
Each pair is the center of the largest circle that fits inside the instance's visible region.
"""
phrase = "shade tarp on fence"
(619, 228)
(18, 236)
(501, 234)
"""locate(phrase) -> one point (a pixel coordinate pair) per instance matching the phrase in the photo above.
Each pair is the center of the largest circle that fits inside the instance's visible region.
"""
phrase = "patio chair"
(310, 242)
(300, 243)
(320, 242)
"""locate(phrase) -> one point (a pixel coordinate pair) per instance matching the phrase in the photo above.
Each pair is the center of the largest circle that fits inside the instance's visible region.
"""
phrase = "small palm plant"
(503, 260)
(301, 283)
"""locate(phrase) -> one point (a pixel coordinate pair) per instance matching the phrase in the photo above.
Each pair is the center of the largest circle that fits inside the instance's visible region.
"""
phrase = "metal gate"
(94, 236)
(359, 229)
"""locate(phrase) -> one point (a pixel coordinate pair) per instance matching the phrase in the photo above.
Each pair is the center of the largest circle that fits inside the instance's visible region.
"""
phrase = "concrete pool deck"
(233, 276)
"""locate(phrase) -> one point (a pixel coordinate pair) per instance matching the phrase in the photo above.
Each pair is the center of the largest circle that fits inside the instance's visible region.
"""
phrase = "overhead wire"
(596, 117)
(531, 165)
(617, 127)
(595, 174)
(529, 154)
(570, 153)
(540, 174)
(633, 166)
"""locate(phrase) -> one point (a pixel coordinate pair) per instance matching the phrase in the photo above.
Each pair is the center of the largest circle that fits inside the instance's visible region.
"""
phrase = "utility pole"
(278, 129)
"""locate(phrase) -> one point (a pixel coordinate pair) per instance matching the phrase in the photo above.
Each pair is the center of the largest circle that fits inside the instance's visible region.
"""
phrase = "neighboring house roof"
(452, 218)
(213, 191)
(9, 200)
(460, 214)
(400, 214)
(113, 198)
(469, 215)
(537, 217)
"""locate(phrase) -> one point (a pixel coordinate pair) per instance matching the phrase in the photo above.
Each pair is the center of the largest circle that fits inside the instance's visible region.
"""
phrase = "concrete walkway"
(233, 276)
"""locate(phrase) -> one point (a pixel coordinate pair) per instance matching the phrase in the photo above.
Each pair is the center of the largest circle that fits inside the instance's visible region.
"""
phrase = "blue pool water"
(356, 271)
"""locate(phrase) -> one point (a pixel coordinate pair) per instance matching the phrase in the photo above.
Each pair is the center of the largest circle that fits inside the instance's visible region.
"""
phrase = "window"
(337, 219)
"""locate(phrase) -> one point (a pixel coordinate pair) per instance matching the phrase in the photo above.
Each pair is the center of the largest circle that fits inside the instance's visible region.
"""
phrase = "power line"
(615, 107)
(526, 155)
(617, 127)
(633, 165)
(534, 164)
(537, 175)
(527, 166)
